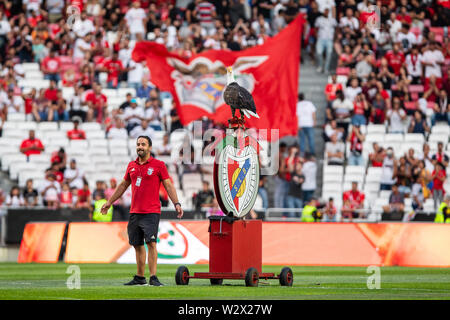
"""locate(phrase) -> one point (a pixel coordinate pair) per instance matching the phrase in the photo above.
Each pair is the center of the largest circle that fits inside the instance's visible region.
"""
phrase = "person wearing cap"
(145, 176)
(443, 213)
(76, 133)
(133, 115)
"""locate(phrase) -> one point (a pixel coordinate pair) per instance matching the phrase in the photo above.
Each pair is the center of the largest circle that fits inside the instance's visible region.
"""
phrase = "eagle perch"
(238, 97)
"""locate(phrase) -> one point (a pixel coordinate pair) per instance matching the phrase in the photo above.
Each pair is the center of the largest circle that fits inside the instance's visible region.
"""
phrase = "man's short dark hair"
(146, 138)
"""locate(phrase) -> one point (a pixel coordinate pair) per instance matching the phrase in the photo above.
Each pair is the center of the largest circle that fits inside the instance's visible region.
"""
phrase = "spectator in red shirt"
(114, 68)
(84, 198)
(440, 155)
(66, 197)
(60, 158)
(51, 67)
(438, 176)
(52, 92)
(331, 88)
(75, 133)
(356, 199)
(31, 145)
(395, 58)
(96, 102)
(360, 108)
(29, 99)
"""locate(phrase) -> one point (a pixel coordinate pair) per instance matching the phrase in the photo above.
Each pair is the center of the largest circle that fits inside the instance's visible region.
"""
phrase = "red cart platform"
(235, 252)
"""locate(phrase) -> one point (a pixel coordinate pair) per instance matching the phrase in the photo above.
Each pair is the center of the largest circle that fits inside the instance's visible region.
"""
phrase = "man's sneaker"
(154, 282)
(137, 281)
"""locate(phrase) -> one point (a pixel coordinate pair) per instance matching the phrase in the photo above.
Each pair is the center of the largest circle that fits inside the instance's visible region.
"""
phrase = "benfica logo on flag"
(269, 72)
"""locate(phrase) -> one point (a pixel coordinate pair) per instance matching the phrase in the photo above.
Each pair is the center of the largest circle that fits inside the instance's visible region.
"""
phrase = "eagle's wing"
(246, 100)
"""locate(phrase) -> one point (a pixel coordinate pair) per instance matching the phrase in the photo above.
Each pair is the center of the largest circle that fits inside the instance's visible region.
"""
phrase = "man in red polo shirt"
(113, 66)
(356, 199)
(75, 133)
(145, 175)
(31, 145)
(395, 58)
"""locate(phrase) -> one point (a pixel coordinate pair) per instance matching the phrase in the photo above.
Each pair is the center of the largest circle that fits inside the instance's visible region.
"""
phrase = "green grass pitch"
(105, 281)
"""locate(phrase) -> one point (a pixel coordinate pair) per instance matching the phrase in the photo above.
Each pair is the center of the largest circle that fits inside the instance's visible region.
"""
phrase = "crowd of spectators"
(397, 72)
(394, 71)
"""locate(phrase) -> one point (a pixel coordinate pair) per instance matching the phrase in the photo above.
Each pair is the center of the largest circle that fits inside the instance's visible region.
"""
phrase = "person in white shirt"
(309, 184)
(341, 107)
(325, 32)
(136, 19)
(394, 25)
(133, 115)
(14, 199)
(82, 46)
(154, 114)
(125, 52)
(74, 176)
(433, 60)
(32, 5)
(164, 148)
(83, 26)
(118, 131)
(15, 104)
(352, 91)
(327, 4)
(136, 74)
(306, 113)
(407, 38)
(50, 189)
(142, 130)
(349, 20)
(396, 117)
(413, 63)
(335, 151)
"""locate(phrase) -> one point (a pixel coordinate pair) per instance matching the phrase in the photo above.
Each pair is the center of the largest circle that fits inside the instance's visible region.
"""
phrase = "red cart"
(235, 252)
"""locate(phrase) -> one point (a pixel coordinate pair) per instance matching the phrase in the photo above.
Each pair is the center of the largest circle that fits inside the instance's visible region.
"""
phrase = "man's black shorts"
(143, 227)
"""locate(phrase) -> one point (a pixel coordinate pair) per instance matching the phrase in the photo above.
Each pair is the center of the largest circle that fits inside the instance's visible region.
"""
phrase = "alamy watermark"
(74, 280)
(197, 146)
(374, 280)
(374, 18)
(73, 15)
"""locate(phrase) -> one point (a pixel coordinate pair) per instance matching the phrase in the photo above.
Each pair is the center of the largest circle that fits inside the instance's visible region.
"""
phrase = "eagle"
(238, 97)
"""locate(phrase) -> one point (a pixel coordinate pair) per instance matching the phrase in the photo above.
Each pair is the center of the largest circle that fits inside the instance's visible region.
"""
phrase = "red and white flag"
(270, 72)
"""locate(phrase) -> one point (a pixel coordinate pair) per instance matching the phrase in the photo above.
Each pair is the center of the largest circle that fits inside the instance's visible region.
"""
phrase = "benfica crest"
(236, 174)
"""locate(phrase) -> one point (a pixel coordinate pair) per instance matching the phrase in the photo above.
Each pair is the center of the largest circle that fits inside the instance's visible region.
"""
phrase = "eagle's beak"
(229, 69)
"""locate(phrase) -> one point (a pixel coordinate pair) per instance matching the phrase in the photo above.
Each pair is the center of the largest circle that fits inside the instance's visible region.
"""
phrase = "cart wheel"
(182, 276)
(286, 277)
(216, 282)
(251, 277)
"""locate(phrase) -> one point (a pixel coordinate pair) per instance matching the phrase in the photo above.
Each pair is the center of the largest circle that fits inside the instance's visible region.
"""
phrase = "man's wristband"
(175, 204)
